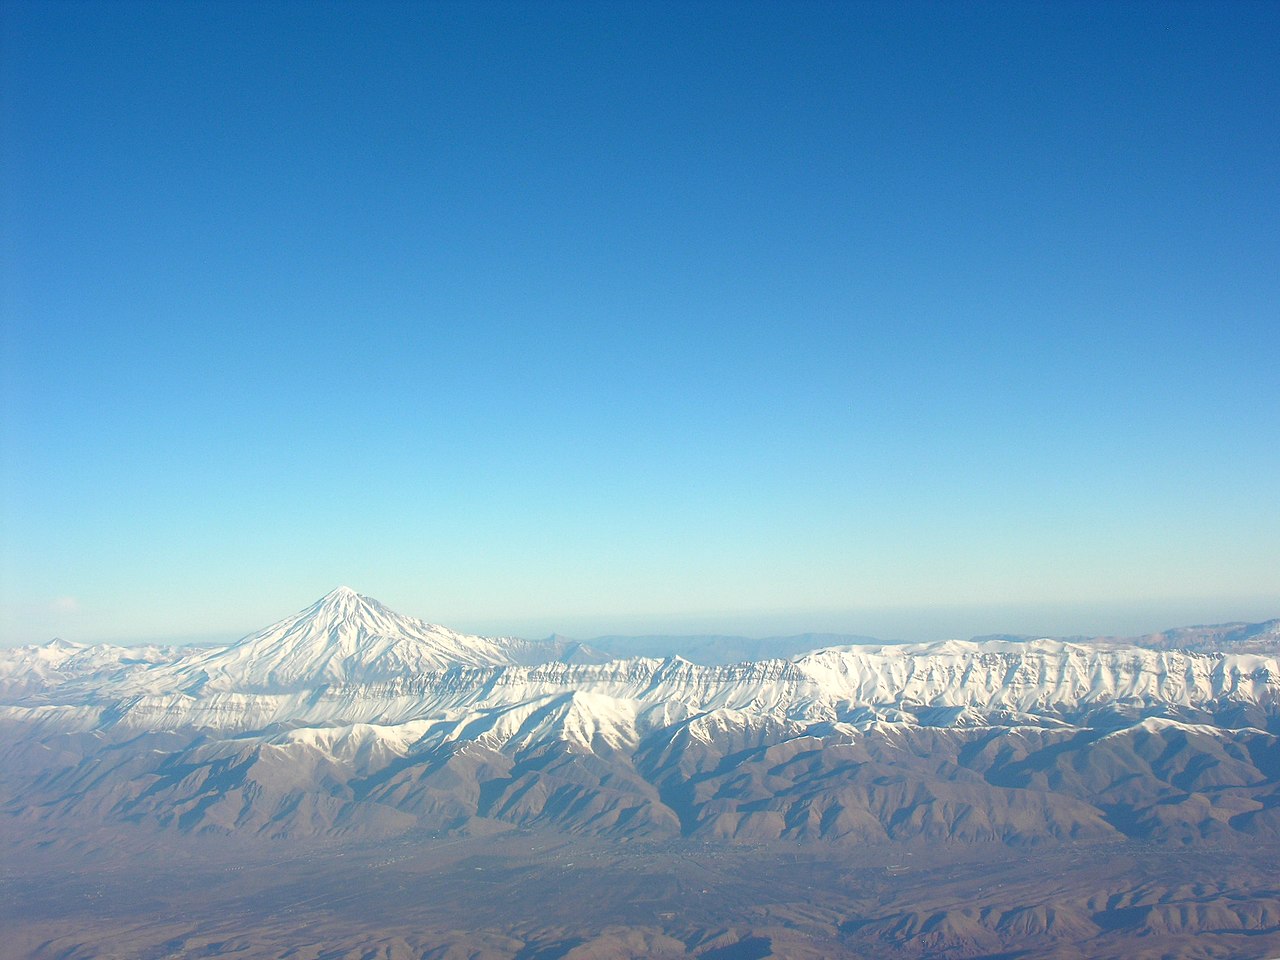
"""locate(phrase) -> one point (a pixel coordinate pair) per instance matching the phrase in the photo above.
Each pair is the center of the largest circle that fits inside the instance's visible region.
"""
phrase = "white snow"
(349, 677)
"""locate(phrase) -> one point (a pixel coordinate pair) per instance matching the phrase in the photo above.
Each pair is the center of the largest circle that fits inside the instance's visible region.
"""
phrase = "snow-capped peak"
(344, 637)
(348, 618)
(341, 596)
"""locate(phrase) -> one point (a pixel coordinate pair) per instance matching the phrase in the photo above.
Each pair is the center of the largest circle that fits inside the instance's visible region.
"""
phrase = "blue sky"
(919, 320)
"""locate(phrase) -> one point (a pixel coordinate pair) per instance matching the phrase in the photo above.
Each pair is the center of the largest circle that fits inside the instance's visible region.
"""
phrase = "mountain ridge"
(347, 715)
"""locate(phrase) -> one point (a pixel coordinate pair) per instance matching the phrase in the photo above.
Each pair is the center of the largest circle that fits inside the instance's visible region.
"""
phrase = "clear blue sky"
(910, 319)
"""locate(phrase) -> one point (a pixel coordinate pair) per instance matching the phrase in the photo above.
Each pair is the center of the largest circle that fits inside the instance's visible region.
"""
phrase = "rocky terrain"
(999, 797)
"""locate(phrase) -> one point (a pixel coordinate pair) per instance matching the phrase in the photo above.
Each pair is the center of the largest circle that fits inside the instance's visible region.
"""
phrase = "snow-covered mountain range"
(350, 716)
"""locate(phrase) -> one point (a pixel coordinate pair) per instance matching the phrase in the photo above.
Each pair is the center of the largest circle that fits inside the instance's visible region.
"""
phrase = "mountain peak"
(341, 593)
(349, 618)
(346, 637)
(347, 612)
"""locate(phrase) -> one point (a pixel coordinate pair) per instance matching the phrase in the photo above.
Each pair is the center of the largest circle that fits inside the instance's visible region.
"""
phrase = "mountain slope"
(343, 637)
(349, 718)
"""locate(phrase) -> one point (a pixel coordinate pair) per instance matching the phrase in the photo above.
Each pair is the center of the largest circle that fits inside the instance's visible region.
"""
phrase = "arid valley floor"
(527, 895)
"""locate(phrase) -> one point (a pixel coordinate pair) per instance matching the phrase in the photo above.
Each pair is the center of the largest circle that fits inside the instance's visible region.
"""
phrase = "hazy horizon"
(910, 625)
